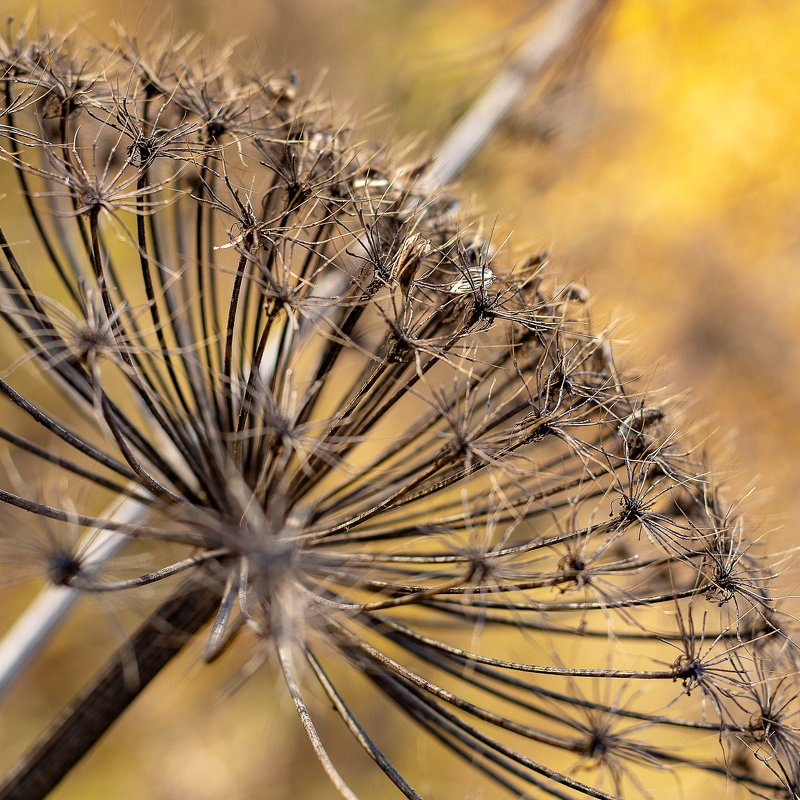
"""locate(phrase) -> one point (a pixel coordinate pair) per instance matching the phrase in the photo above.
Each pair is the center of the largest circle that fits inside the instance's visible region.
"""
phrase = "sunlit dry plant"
(348, 428)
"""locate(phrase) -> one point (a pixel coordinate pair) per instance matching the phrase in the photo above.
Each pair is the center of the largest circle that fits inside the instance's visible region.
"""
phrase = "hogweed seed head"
(379, 446)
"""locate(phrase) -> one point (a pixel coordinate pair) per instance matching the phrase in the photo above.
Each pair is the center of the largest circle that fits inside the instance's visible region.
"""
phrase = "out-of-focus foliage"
(675, 194)
(664, 172)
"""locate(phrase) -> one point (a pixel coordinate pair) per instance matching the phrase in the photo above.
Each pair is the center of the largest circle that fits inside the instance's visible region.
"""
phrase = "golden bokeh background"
(664, 173)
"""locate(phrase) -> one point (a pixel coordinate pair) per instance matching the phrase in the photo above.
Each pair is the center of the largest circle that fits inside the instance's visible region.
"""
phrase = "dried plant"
(346, 427)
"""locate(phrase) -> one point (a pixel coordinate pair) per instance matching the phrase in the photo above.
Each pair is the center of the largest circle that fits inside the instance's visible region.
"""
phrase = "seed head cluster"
(294, 378)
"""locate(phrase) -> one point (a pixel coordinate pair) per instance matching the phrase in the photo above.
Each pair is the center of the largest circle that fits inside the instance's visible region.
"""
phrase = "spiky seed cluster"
(383, 449)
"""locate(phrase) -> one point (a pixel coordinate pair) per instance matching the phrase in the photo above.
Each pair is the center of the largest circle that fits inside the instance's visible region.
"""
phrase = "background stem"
(103, 700)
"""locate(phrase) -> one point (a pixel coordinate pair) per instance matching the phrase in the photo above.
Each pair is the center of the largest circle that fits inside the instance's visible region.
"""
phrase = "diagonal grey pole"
(164, 634)
(34, 627)
(102, 702)
(548, 43)
(562, 27)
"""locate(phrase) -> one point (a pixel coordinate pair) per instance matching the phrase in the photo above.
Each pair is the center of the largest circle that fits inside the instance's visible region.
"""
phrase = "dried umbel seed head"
(372, 441)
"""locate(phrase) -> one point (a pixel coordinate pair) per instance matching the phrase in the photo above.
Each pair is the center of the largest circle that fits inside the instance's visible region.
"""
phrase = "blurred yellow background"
(665, 175)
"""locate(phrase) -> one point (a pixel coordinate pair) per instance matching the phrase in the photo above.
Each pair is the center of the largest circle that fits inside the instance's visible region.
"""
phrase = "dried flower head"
(371, 443)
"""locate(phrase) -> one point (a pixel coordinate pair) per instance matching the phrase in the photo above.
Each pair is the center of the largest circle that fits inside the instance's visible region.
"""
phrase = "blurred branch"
(568, 22)
(90, 715)
(39, 621)
(566, 25)
(108, 694)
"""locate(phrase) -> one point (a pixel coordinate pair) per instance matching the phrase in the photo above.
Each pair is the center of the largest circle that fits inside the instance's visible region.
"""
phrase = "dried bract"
(378, 447)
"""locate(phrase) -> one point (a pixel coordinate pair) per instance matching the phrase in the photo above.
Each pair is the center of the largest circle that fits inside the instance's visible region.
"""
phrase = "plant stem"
(103, 700)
